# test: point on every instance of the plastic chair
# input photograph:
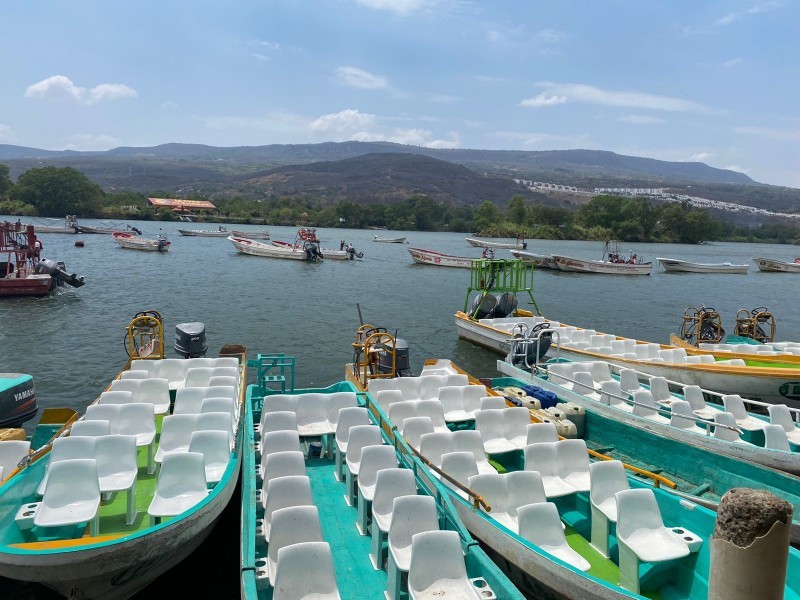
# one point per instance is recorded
(312, 415)
(279, 441)
(726, 432)
(280, 464)
(181, 485)
(154, 390)
(646, 407)
(437, 567)
(348, 417)
(607, 478)
(584, 385)
(573, 463)
(629, 379)
(490, 425)
(541, 432)
(11, 453)
(734, 404)
(117, 469)
(115, 397)
(138, 419)
(515, 426)
(433, 445)
(214, 446)
(294, 580)
(176, 433)
(104, 412)
(72, 495)
(188, 400)
(149, 365)
(220, 421)
(693, 394)
(642, 536)
(66, 448)
(775, 438)
(389, 484)
(220, 404)
(373, 460)
(361, 436)
(337, 401)
(469, 440)
(289, 490)
(135, 374)
(82, 428)
(280, 420)
(659, 388)
(385, 398)
(291, 525)
(540, 524)
(460, 466)
(612, 393)
(414, 428)
(410, 515)
(454, 404)
(682, 417)
(543, 458)
(493, 403)
(779, 414)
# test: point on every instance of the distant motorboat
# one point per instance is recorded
(673, 265)
(131, 241)
(106, 229)
(438, 259)
(519, 244)
(253, 235)
(221, 232)
(771, 265)
(399, 240)
(612, 263)
(70, 226)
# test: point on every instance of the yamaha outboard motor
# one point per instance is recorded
(402, 360)
(190, 339)
(17, 399)
(57, 271)
(482, 306)
(506, 304)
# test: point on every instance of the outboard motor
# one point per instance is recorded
(57, 271)
(483, 306)
(190, 339)
(506, 304)
(402, 360)
(17, 399)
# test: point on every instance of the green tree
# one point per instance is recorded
(486, 215)
(516, 210)
(56, 192)
(5, 181)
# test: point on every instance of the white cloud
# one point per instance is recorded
(641, 119)
(401, 7)
(549, 36)
(560, 93)
(88, 141)
(736, 168)
(359, 78)
(61, 87)
(352, 124)
(792, 135)
(700, 157)
(544, 141)
(760, 8)
(260, 57)
(7, 135)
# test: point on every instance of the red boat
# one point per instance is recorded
(22, 270)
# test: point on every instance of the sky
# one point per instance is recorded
(677, 80)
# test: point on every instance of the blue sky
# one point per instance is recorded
(715, 82)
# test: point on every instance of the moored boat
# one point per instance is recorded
(540, 261)
(107, 229)
(132, 241)
(772, 265)
(70, 226)
(394, 240)
(127, 522)
(321, 468)
(221, 232)
(253, 235)
(613, 262)
(256, 248)
(306, 239)
(518, 244)
(674, 265)
(439, 259)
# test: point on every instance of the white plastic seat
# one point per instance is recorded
(66, 448)
(600, 371)
(734, 404)
(493, 403)
(469, 440)
(312, 415)
(490, 424)
(607, 477)
(584, 384)
(414, 428)
(117, 469)
(573, 463)
(176, 433)
(214, 446)
(645, 407)
(541, 432)
(277, 403)
(138, 419)
(515, 425)
(682, 417)
(11, 453)
(135, 374)
(154, 390)
(540, 524)
(373, 459)
(348, 417)
(389, 484)
(336, 402)
(779, 414)
(188, 400)
(104, 412)
(181, 485)
(561, 373)
(115, 397)
(629, 380)
(460, 465)
(433, 445)
(543, 458)
(280, 420)
(361, 436)
(280, 464)
(611, 393)
(294, 580)
(437, 567)
(87, 428)
(226, 381)
(385, 398)
(219, 404)
(506, 496)
(289, 490)
(726, 433)
(775, 438)
(174, 371)
(220, 421)
(291, 525)
(454, 404)
(72, 495)
(659, 388)
(693, 394)
(279, 441)
(642, 536)
(410, 515)
(151, 366)
(432, 384)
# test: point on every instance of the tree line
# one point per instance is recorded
(55, 192)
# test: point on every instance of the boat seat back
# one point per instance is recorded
(360, 437)
(682, 415)
(224, 381)
(154, 390)
(390, 484)
(573, 463)
(659, 388)
(734, 404)
(63, 448)
(312, 414)
(151, 366)
(373, 459)
(400, 411)
(707, 358)
(600, 371)
(693, 360)
(279, 402)
(138, 419)
(176, 433)
(280, 464)
(410, 515)
(584, 383)
(104, 412)
(291, 525)
(492, 487)
(611, 393)
(642, 351)
(469, 440)
(410, 386)
(437, 566)
(117, 468)
(460, 465)
(281, 420)
(284, 491)
(276, 441)
(779, 414)
(294, 579)
(540, 524)
(492, 403)
(385, 398)
(646, 406)
(543, 458)
(213, 445)
(72, 495)
(515, 425)
(561, 373)
(414, 428)
(462, 398)
(336, 402)
(607, 477)
(221, 405)
(348, 418)
(775, 438)
(201, 376)
(653, 349)
(541, 433)
(81, 428)
(693, 394)
(188, 400)
(115, 397)
(215, 391)
(523, 487)
(181, 484)
(725, 433)
(135, 374)
(733, 362)
(431, 384)
(433, 445)
(629, 380)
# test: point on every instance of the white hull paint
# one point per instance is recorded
(542, 261)
(400, 240)
(776, 266)
(133, 242)
(326, 252)
(430, 257)
(255, 248)
(579, 265)
(673, 265)
(202, 233)
(489, 244)
(253, 235)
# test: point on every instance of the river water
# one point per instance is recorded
(72, 342)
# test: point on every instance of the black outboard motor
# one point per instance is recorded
(506, 304)
(483, 306)
(17, 399)
(402, 360)
(57, 271)
(190, 339)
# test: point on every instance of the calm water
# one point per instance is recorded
(72, 341)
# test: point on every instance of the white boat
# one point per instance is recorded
(104, 229)
(349, 253)
(221, 232)
(256, 248)
(132, 241)
(771, 265)
(70, 226)
(253, 235)
(612, 263)
(396, 240)
(438, 259)
(673, 265)
(540, 261)
(518, 244)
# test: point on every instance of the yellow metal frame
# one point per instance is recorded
(752, 323)
(146, 336)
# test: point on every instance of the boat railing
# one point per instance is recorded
(518, 346)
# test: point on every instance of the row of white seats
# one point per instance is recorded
(175, 370)
(11, 453)
(766, 349)
(459, 402)
(423, 387)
